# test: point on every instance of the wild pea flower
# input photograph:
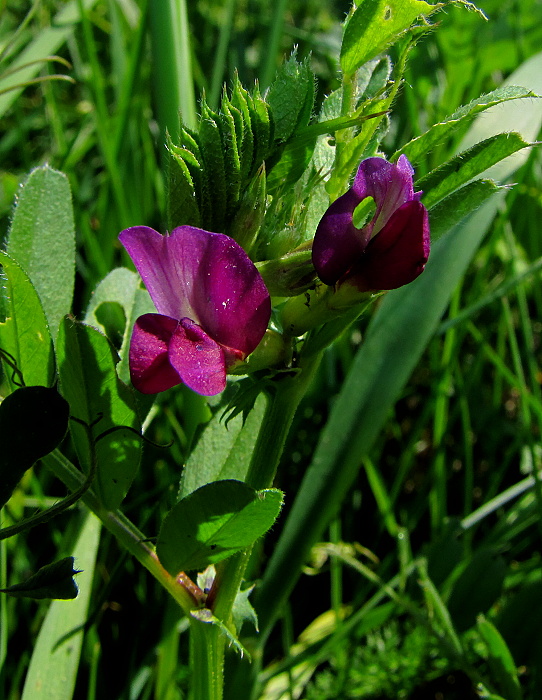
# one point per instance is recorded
(213, 308)
(392, 248)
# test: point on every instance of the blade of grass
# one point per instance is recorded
(102, 119)
(219, 65)
(49, 40)
(438, 495)
(172, 65)
(55, 661)
(272, 45)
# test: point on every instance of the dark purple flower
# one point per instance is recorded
(213, 308)
(392, 248)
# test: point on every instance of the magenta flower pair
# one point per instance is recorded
(213, 306)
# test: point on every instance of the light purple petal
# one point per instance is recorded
(337, 242)
(150, 368)
(389, 184)
(197, 358)
(151, 254)
(206, 277)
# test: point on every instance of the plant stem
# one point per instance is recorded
(265, 459)
(206, 661)
(126, 533)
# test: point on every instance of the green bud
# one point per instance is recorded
(290, 274)
(320, 305)
(272, 351)
(249, 217)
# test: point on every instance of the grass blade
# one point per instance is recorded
(53, 667)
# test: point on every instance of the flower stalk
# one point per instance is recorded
(282, 406)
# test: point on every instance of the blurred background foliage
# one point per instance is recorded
(466, 428)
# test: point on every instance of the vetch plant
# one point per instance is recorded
(310, 222)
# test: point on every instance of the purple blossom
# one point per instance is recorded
(213, 308)
(392, 248)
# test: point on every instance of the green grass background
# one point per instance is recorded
(465, 430)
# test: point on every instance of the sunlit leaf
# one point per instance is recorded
(214, 522)
(375, 25)
(224, 449)
(467, 165)
(99, 399)
(42, 240)
(421, 145)
(24, 334)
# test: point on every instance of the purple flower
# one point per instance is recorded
(213, 308)
(392, 248)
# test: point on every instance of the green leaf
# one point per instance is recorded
(250, 212)
(421, 145)
(375, 25)
(120, 286)
(456, 206)
(243, 611)
(205, 616)
(51, 581)
(214, 522)
(53, 667)
(97, 397)
(245, 147)
(291, 97)
(228, 124)
(33, 421)
(263, 128)
(183, 205)
(292, 164)
(467, 165)
(212, 151)
(224, 449)
(500, 660)
(42, 240)
(468, 597)
(25, 333)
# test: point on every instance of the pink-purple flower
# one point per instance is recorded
(213, 308)
(392, 248)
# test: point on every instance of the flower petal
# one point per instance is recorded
(197, 358)
(203, 276)
(150, 369)
(229, 297)
(337, 242)
(397, 255)
(150, 253)
(389, 184)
